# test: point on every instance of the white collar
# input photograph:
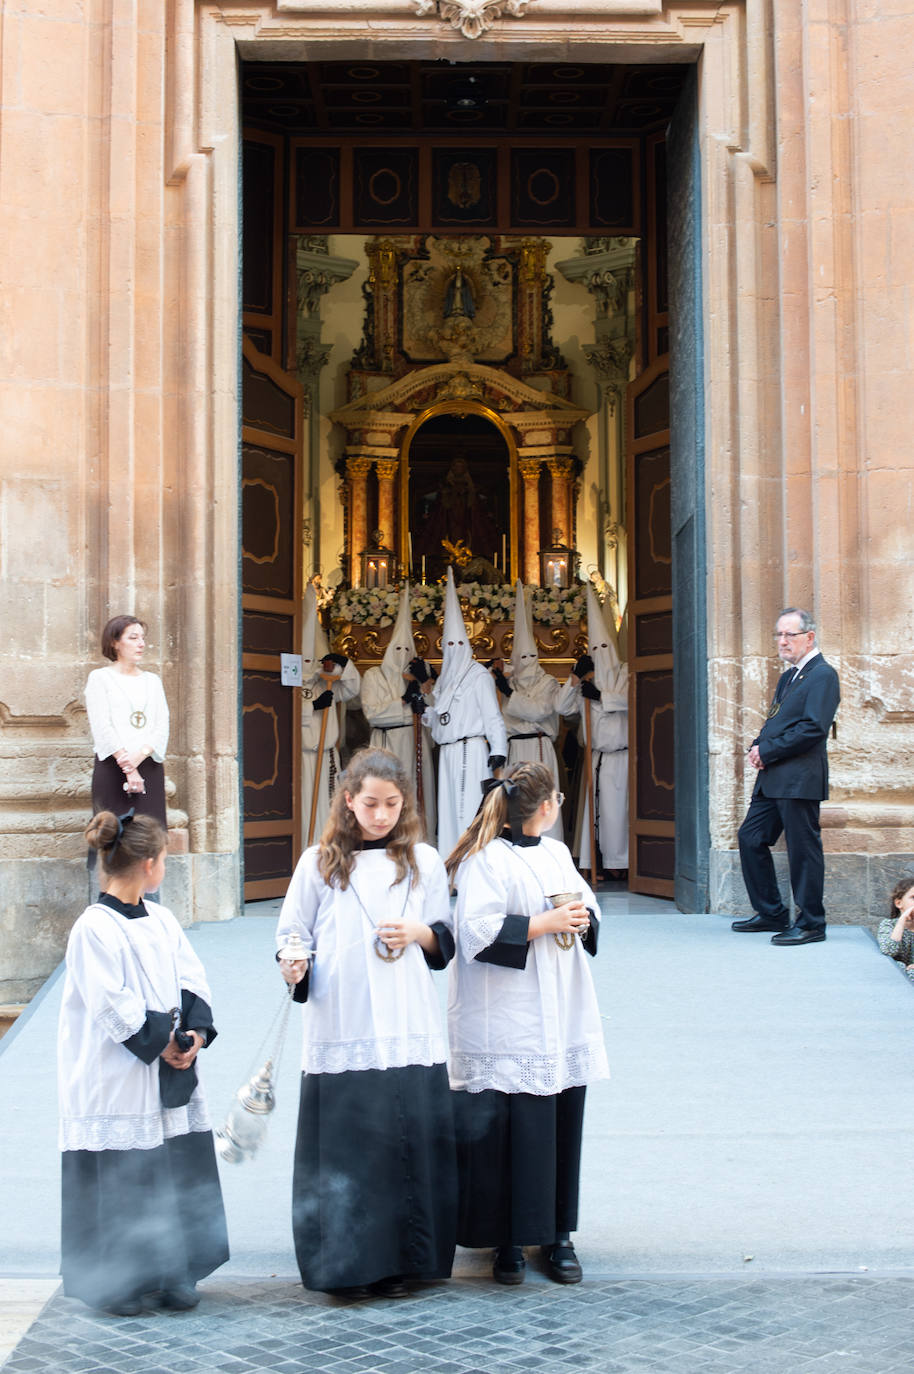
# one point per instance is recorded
(803, 661)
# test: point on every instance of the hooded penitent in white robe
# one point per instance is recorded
(609, 735)
(531, 720)
(391, 719)
(344, 688)
(466, 723)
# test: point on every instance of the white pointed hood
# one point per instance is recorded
(601, 644)
(456, 653)
(402, 649)
(525, 663)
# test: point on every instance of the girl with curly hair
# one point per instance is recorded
(374, 1185)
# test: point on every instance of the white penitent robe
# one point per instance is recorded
(532, 725)
(364, 1011)
(468, 727)
(392, 728)
(609, 770)
(524, 1020)
(344, 689)
(117, 971)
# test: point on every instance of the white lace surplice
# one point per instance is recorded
(362, 1011)
(532, 1030)
(117, 970)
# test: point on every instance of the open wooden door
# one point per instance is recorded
(271, 603)
(650, 635)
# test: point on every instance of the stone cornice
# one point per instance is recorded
(649, 24)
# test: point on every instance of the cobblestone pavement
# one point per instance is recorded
(820, 1323)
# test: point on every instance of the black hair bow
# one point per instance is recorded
(121, 822)
(515, 819)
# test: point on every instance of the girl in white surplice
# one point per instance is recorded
(374, 1188)
(141, 1203)
(525, 1032)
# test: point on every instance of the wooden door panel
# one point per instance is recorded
(271, 622)
(651, 776)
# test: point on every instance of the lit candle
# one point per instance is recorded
(423, 570)
(409, 538)
(504, 547)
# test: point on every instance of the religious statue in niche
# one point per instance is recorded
(453, 512)
(458, 302)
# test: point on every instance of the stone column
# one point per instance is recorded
(387, 469)
(606, 268)
(562, 505)
(357, 470)
(529, 469)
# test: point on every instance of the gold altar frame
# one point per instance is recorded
(461, 408)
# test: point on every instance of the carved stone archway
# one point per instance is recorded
(536, 424)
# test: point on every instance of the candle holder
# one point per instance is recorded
(556, 564)
(379, 564)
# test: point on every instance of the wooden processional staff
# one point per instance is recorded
(593, 815)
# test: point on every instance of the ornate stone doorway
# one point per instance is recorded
(367, 468)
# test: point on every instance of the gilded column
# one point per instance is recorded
(529, 469)
(387, 469)
(357, 470)
(562, 472)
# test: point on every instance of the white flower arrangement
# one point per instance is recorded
(370, 606)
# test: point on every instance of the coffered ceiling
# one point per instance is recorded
(446, 99)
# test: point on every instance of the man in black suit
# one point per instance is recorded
(790, 756)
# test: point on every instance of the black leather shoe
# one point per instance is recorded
(509, 1265)
(758, 924)
(394, 1287)
(182, 1297)
(798, 935)
(562, 1264)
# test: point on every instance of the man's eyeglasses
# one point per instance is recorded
(789, 634)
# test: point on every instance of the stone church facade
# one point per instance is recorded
(792, 397)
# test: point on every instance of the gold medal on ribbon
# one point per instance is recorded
(384, 952)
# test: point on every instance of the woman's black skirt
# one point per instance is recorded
(140, 1221)
(374, 1193)
(519, 1164)
(108, 790)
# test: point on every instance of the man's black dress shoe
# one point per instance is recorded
(759, 923)
(798, 935)
(509, 1265)
(562, 1264)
